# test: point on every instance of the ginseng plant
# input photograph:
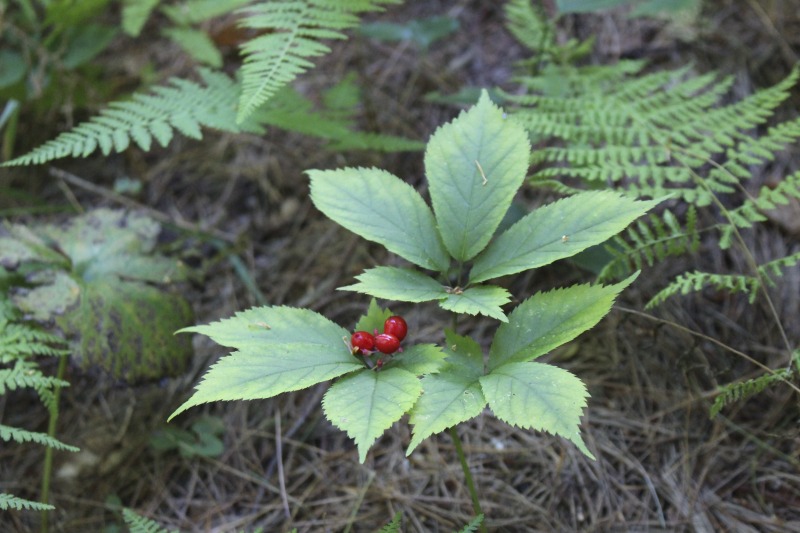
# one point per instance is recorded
(474, 166)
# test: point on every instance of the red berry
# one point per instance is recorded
(395, 325)
(387, 343)
(362, 342)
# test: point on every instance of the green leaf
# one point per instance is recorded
(374, 318)
(9, 501)
(419, 359)
(453, 395)
(90, 40)
(464, 355)
(203, 440)
(400, 284)
(12, 68)
(549, 319)
(381, 208)
(483, 299)
(281, 349)
(538, 396)
(556, 231)
(273, 369)
(8, 433)
(135, 14)
(474, 165)
(261, 328)
(196, 11)
(197, 44)
(367, 403)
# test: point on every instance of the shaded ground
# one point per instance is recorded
(662, 464)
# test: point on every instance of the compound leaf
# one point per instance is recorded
(367, 403)
(475, 164)
(538, 396)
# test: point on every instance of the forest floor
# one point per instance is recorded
(662, 464)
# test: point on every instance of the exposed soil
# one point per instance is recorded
(662, 464)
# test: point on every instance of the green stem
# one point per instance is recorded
(48, 452)
(476, 504)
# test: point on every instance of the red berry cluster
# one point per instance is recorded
(388, 342)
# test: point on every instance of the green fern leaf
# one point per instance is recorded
(181, 105)
(774, 269)
(473, 525)
(8, 433)
(291, 35)
(140, 524)
(697, 281)
(9, 501)
(394, 525)
(751, 211)
(649, 241)
(741, 391)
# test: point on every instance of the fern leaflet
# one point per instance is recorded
(751, 210)
(9, 501)
(394, 525)
(8, 433)
(696, 281)
(741, 391)
(773, 269)
(140, 524)
(649, 240)
(473, 524)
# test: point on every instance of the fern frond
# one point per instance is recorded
(741, 391)
(529, 26)
(473, 525)
(394, 525)
(21, 340)
(291, 35)
(180, 105)
(26, 374)
(650, 240)
(9, 501)
(654, 134)
(751, 210)
(696, 281)
(774, 269)
(8, 433)
(140, 524)
(718, 128)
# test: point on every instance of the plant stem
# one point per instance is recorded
(48, 452)
(476, 504)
